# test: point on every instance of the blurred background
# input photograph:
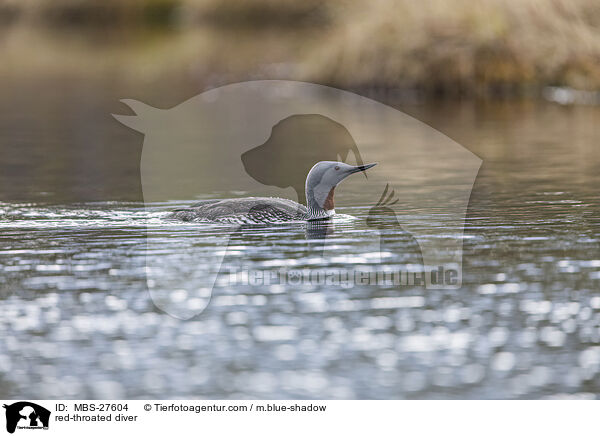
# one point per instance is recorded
(66, 63)
(489, 48)
(516, 82)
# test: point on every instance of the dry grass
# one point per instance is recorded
(464, 44)
(460, 46)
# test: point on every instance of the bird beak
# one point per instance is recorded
(363, 168)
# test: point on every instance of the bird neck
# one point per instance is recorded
(319, 202)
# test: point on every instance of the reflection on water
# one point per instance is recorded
(77, 320)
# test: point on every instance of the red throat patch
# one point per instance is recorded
(328, 205)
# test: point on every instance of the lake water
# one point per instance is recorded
(77, 319)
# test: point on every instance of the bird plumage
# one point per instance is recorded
(320, 184)
(250, 210)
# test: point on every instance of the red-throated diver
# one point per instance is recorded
(320, 184)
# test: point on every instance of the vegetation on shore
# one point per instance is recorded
(486, 47)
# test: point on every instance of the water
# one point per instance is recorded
(78, 321)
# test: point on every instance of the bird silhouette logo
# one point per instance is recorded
(384, 219)
(383, 205)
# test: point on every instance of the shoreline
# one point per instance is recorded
(493, 50)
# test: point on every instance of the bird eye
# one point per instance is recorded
(337, 168)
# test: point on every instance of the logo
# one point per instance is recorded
(26, 415)
(260, 139)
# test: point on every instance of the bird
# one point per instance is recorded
(320, 185)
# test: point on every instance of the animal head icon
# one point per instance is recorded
(293, 147)
(26, 414)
